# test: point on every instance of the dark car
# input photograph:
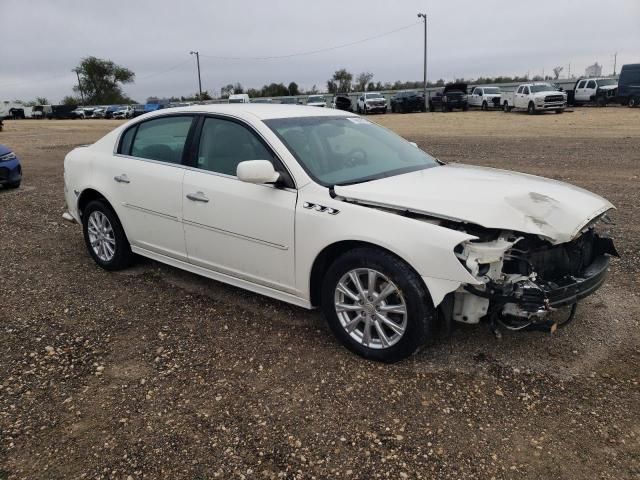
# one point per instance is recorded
(108, 113)
(453, 96)
(342, 102)
(629, 85)
(63, 112)
(10, 168)
(405, 102)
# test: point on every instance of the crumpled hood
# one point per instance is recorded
(608, 87)
(488, 197)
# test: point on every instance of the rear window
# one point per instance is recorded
(161, 139)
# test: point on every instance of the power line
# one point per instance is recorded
(165, 71)
(320, 50)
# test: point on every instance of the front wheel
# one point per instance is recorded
(104, 236)
(560, 110)
(531, 108)
(377, 305)
(485, 106)
(633, 102)
(506, 108)
(13, 184)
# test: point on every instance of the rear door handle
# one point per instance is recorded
(197, 197)
(122, 178)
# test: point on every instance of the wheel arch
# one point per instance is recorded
(330, 253)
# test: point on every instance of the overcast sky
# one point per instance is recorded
(43, 40)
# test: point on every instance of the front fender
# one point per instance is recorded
(427, 247)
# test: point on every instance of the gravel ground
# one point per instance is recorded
(156, 373)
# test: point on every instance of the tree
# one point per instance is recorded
(293, 89)
(42, 101)
(226, 91)
(237, 88)
(101, 80)
(332, 87)
(71, 100)
(363, 79)
(342, 80)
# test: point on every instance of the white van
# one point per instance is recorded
(239, 98)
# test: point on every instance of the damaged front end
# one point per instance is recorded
(525, 278)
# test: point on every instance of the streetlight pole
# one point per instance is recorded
(424, 81)
(197, 54)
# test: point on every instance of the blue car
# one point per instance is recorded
(10, 168)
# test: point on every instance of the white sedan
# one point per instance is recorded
(322, 208)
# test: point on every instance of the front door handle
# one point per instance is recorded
(122, 178)
(197, 197)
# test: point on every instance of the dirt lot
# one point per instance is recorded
(157, 373)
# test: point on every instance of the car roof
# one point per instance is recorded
(263, 111)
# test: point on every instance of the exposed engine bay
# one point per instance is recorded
(524, 278)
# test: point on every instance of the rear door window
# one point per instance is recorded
(581, 84)
(591, 84)
(161, 139)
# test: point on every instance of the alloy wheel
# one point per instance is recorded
(370, 308)
(101, 236)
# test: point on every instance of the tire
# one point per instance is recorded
(385, 110)
(506, 108)
(393, 108)
(416, 323)
(531, 108)
(358, 110)
(432, 108)
(122, 256)
(485, 106)
(364, 110)
(443, 108)
(560, 110)
(13, 184)
(601, 101)
(465, 108)
(633, 102)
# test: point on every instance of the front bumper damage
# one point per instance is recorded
(524, 280)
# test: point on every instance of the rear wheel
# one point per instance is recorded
(633, 102)
(377, 305)
(531, 108)
(105, 237)
(485, 106)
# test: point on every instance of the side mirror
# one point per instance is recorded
(257, 171)
(414, 144)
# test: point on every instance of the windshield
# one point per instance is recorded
(491, 90)
(542, 87)
(373, 95)
(317, 98)
(346, 150)
(607, 81)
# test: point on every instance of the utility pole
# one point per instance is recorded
(424, 81)
(197, 54)
(79, 85)
(615, 60)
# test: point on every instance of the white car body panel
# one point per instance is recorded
(266, 239)
(488, 197)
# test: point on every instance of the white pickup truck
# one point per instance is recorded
(484, 97)
(535, 97)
